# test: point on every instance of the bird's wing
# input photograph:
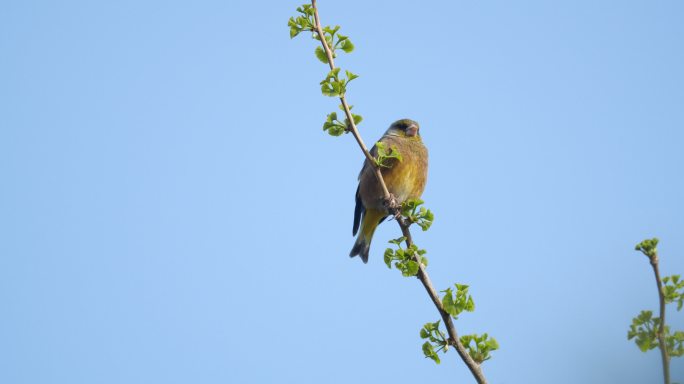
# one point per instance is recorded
(359, 210)
(366, 163)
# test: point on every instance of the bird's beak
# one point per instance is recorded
(412, 130)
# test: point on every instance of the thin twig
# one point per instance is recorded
(661, 328)
(454, 341)
(422, 275)
(352, 126)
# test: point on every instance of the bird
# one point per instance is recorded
(405, 179)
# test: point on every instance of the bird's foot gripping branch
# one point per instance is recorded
(383, 179)
(393, 207)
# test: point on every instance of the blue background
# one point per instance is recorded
(171, 211)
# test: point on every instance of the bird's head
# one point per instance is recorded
(404, 128)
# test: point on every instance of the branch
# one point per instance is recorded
(454, 341)
(661, 328)
(641, 325)
(389, 200)
(393, 207)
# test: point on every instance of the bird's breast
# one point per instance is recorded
(405, 179)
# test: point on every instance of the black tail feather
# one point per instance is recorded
(360, 248)
(359, 210)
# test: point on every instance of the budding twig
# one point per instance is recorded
(347, 111)
(661, 328)
(453, 340)
(649, 248)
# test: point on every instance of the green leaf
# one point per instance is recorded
(398, 241)
(389, 253)
(411, 268)
(321, 55)
(395, 153)
(462, 287)
(470, 304)
(334, 73)
(327, 90)
(644, 344)
(337, 88)
(332, 89)
(385, 156)
(492, 344)
(347, 46)
(332, 31)
(448, 303)
(336, 130)
(350, 76)
(333, 126)
(433, 326)
(306, 9)
(429, 352)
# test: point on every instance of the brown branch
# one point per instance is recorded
(352, 126)
(453, 340)
(661, 329)
(394, 209)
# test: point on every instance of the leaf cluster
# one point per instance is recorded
(479, 347)
(335, 41)
(673, 290)
(385, 155)
(334, 85)
(336, 127)
(675, 344)
(405, 259)
(414, 213)
(644, 331)
(456, 302)
(648, 247)
(304, 22)
(436, 341)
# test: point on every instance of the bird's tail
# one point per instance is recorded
(371, 219)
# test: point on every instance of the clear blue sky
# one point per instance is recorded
(171, 211)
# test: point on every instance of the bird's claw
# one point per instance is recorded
(393, 207)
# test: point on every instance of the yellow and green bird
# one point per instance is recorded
(405, 179)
